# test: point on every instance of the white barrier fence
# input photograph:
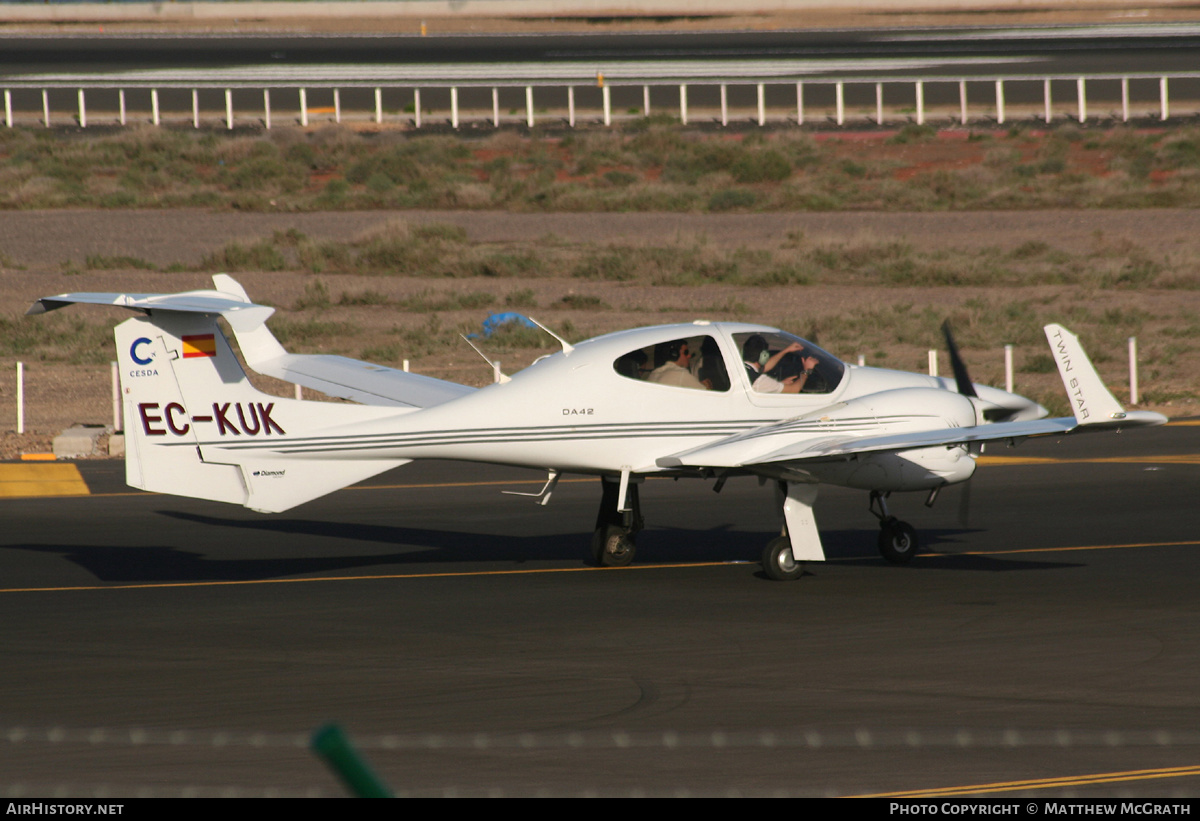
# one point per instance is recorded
(909, 98)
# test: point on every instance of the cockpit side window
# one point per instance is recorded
(690, 362)
(777, 362)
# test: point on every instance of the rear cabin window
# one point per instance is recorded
(690, 362)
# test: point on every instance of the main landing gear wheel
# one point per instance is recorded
(612, 546)
(778, 562)
(898, 541)
(612, 540)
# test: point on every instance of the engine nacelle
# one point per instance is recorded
(903, 411)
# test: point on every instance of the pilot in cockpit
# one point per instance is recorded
(760, 362)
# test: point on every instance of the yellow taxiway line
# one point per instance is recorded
(1040, 783)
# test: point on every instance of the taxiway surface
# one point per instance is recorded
(167, 646)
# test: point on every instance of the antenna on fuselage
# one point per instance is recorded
(495, 366)
(566, 346)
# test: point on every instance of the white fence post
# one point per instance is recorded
(228, 109)
(8, 108)
(1000, 102)
(841, 103)
(571, 106)
(1046, 98)
(378, 106)
(1124, 99)
(417, 106)
(337, 106)
(724, 105)
(304, 107)
(116, 396)
(1133, 371)
(762, 104)
(645, 101)
(454, 107)
(121, 102)
(604, 92)
(962, 101)
(920, 103)
(196, 108)
(45, 108)
(267, 108)
(1162, 97)
(1008, 368)
(20, 397)
(1080, 84)
(82, 110)
(154, 106)
(879, 104)
(683, 104)
(933, 363)
(495, 107)
(529, 106)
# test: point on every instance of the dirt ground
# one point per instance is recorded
(36, 246)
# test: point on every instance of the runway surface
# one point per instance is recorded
(164, 646)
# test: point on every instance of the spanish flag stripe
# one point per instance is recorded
(199, 345)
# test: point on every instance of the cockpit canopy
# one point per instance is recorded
(706, 361)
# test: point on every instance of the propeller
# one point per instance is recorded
(962, 381)
(961, 378)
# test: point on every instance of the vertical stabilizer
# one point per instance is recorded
(195, 425)
(1091, 401)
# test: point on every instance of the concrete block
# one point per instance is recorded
(77, 441)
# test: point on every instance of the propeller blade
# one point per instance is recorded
(961, 378)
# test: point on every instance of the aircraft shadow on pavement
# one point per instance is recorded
(164, 564)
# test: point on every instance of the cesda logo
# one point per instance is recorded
(133, 351)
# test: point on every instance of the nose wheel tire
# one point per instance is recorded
(778, 562)
(612, 547)
(898, 542)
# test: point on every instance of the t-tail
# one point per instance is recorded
(196, 426)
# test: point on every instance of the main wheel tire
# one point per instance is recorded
(898, 542)
(779, 563)
(612, 547)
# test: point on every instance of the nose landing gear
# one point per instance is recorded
(898, 541)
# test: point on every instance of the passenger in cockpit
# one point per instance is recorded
(672, 359)
(759, 361)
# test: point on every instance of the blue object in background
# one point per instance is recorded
(495, 321)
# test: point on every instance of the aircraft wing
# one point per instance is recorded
(747, 449)
(334, 375)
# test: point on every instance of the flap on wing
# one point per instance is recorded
(727, 453)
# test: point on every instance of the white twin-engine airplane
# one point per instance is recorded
(709, 400)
